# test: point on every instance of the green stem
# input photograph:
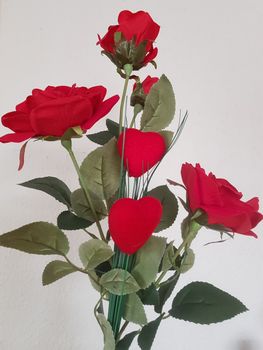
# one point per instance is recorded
(124, 326)
(137, 109)
(128, 70)
(90, 234)
(80, 269)
(67, 144)
(193, 228)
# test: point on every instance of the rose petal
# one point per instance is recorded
(56, 116)
(151, 56)
(17, 121)
(103, 109)
(17, 137)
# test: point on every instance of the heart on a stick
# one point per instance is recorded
(142, 150)
(132, 222)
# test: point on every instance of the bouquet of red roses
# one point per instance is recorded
(131, 264)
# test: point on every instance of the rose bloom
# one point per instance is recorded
(141, 90)
(147, 84)
(51, 112)
(131, 41)
(220, 201)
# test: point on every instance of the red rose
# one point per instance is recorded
(141, 90)
(51, 112)
(147, 84)
(220, 201)
(131, 41)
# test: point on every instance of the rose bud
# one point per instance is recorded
(51, 112)
(141, 90)
(131, 40)
(219, 201)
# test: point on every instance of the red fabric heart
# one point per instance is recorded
(132, 222)
(142, 150)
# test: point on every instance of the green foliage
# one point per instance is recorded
(147, 261)
(134, 310)
(56, 270)
(169, 205)
(52, 186)
(101, 170)
(168, 137)
(149, 296)
(168, 257)
(69, 221)
(82, 208)
(187, 261)
(147, 334)
(165, 291)
(95, 281)
(119, 282)
(159, 108)
(37, 238)
(100, 138)
(109, 341)
(113, 127)
(125, 342)
(94, 252)
(201, 302)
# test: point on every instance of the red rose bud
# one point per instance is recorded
(220, 201)
(131, 41)
(132, 222)
(51, 112)
(142, 150)
(141, 90)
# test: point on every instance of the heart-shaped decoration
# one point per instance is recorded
(142, 150)
(132, 222)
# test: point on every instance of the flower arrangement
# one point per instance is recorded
(131, 264)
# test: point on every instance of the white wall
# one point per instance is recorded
(212, 52)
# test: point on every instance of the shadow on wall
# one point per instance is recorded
(248, 345)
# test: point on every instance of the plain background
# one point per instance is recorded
(212, 52)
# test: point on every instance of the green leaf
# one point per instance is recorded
(159, 108)
(101, 137)
(52, 186)
(95, 281)
(119, 282)
(149, 296)
(187, 261)
(125, 342)
(134, 310)
(168, 137)
(147, 261)
(165, 291)
(82, 208)
(169, 205)
(167, 260)
(56, 270)
(109, 341)
(69, 221)
(113, 127)
(101, 170)
(94, 252)
(37, 238)
(147, 334)
(203, 303)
